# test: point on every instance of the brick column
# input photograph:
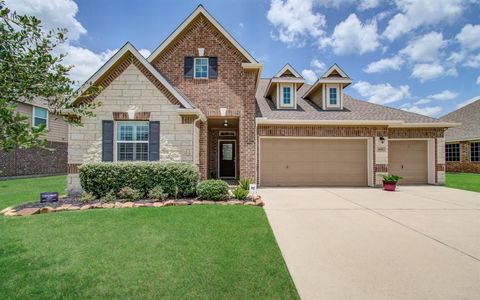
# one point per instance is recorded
(203, 151)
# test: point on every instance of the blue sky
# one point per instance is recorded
(418, 55)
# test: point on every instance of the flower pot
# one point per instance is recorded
(389, 186)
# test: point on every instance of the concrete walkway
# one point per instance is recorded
(360, 243)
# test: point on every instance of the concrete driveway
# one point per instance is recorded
(420, 242)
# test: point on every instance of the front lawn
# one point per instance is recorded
(464, 181)
(17, 191)
(195, 252)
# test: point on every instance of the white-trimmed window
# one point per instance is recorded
(287, 95)
(132, 140)
(40, 116)
(452, 152)
(475, 151)
(333, 96)
(201, 67)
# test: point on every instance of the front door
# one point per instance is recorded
(226, 158)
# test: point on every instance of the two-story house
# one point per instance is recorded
(36, 161)
(199, 98)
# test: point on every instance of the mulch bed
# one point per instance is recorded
(73, 203)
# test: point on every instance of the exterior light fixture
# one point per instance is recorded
(382, 139)
(225, 123)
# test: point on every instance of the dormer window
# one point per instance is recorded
(201, 67)
(287, 95)
(333, 96)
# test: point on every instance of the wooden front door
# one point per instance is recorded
(226, 157)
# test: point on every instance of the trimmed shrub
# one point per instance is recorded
(157, 193)
(213, 189)
(86, 197)
(110, 196)
(240, 193)
(101, 178)
(129, 193)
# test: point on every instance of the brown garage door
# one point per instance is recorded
(313, 162)
(409, 159)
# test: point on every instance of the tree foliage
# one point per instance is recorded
(31, 70)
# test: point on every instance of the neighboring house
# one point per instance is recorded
(463, 142)
(199, 98)
(36, 161)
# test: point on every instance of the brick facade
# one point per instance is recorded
(234, 88)
(34, 161)
(464, 165)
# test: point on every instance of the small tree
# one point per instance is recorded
(30, 70)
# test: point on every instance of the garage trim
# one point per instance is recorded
(369, 152)
(430, 156)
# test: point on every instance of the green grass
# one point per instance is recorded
(17, 191)
(463, 181)
(192, 252)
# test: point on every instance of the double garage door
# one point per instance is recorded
(335, 162)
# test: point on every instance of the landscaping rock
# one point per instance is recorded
(197, 202)
(108, 205)
(221, 203)
(6, 209)
(47, 209)
(139, 204)
(127, 204)
(158, 204)
(86, 206)
(148, 204)
(10, 213)
(259, 202)
(28, 211)
(208, 202)
(181, 203)
(249, 203)
(73, 207)
(96, 205)
(235, 202)
(118, 205)
(169, 203)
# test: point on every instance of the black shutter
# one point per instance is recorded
(154, 141)
(212, 67)
(107, 140)
(188, 67)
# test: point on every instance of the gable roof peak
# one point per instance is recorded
(335, 69)
(289, 68)
(201, 10)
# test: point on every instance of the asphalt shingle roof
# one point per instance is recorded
(353, 109)
(469, 116)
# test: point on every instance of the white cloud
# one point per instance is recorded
(442, 96)
(471, 100)
(334, 3)
(295, 21)
(473, 61)
(425, 48)
(425, 72)
(478, 80)
(469, 37)
(456, 57)
(393, 63)
(422, 101)
(352, 36)
(417, 13)
(309, 75)
(53, 14)
(62, 14)
(381, 93)
(368, 4)
(145, 52)
(431, 111)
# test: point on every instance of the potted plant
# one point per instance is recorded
(390, 182)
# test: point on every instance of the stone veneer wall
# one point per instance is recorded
(34, 161)
(464, 165)
(234, 88)
(380, 150)
(130, 88)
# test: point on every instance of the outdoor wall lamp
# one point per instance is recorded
(382, 139)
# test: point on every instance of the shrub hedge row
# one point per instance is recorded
(176, 179)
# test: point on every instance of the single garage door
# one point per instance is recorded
(313, 162)
(409, 159)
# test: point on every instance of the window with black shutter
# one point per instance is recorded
(188, 67)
